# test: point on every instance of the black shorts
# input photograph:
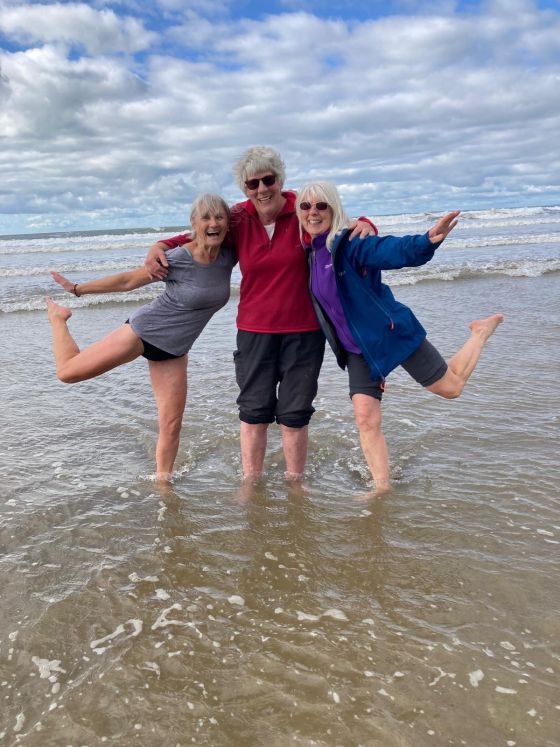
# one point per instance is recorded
(277, 376)
(425, 365)
(359, 377)
(152, 353)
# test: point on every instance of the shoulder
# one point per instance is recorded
(240, 209)
(341, 238)
(228, 256)
(291, 197)
(179, 256)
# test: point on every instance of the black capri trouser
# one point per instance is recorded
(277, 375)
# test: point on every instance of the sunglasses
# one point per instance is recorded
(267, 180)
(319, 205)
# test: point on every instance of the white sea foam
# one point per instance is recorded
(476, 677)
(119, 630)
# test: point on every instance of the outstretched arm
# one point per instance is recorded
(121, 282)
(392, 252)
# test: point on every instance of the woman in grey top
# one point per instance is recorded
(163, 331)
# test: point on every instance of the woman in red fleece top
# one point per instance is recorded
(280, 346)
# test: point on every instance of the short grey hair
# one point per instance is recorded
(257, 159)
(324, 192)
(209, 203)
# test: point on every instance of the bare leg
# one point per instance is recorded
(120, 346)
(253, 439)
(169, 383)
(367, 411)
(294, 443)
(464, 361)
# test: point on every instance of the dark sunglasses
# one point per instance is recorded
(319, 205)
(267, 180)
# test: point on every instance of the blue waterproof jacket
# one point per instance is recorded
(386, 331)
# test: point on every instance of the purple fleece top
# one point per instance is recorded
(323, 287)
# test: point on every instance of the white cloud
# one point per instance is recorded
(403, 112)
(97, 31)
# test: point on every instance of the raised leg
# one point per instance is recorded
(463, 363)
(169, 383)
(73, 365)
(294, 444)
(367, 411)
(253, 438)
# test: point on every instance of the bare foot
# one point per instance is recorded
(56, 312)
(64, 282)
(163, 478)
(248, 488)
(487, 326)
(380, 488)
(293, 476)
(164, 488)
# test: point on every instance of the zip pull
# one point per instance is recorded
(392, 325)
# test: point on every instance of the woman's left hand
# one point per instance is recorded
(443, 227)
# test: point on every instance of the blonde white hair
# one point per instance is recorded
(324, 192)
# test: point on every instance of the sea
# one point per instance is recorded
(289, 614)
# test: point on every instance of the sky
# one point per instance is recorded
(117, 114)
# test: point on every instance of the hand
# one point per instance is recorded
(64, 282)
(443, 227)
(156, 262)
(362, 229)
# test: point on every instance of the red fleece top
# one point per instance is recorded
(274, 293)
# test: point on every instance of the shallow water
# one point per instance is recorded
(289, 616)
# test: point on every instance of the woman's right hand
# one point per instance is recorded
(64, 282)
(156, 262)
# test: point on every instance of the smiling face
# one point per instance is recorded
(267, 198)
(210, 228)
(316, 215)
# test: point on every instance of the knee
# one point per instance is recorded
(65, 375)
(451, 390)
(454, 393)
(450, 386)
(369, 421)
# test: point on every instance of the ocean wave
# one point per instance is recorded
(527, 268)
(8, 248)
(104, 268)
(491, 218)
(36, 302)
(502, 240)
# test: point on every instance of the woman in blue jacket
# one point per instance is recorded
(370, 332)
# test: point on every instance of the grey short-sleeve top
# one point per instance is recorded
(193, 293)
